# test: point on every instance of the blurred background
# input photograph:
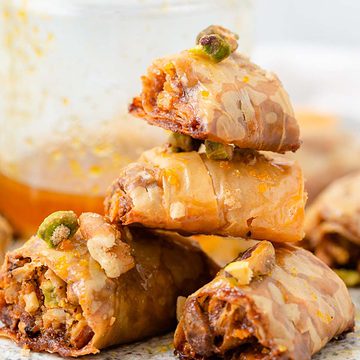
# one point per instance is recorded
(320, 22)
(68, 69)
(314, 46)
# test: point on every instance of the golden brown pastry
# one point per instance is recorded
(90, 292)
(273, 302)
(254, 195)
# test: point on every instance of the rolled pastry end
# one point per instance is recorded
(161, 96)
(41, 285)
(130, 198)
(229, 320)
(40, 311)
(226, 322)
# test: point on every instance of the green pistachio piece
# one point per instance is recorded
(350, 277)
(215, 47)
(58, 226)
(216, 43)
(183, 143)
(224, 33)
(50, 298)
(218, 151)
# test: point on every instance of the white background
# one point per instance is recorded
(314, 46)
(325, 22)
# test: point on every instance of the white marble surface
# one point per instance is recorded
(161, 348)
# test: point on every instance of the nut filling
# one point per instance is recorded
(168, 101)
(216, 327)
(41, 310)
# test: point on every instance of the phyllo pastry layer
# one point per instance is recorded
(253, 195)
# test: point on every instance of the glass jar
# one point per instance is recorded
(68, 71)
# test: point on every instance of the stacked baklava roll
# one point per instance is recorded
(275, 301)
(86, 283)
(211, 177)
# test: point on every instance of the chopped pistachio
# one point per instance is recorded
(350, 277)
(218, 151)
(215, 42)
(261, 258)
(258, 260)
(215, 46)
(241, 271)
(182, 143)
(48, 290)
(224, 33)
(58, 226)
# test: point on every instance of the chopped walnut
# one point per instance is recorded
(177, 210)
(54, 318)
(31, 302)
(105, 245)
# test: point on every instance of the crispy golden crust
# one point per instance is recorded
(291, 313)
(233, 101)
(251, 196)
(99, 310)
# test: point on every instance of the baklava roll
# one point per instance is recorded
(333, 227)
(102, 287)
(253, 195)
(232, 102)
(274, 302)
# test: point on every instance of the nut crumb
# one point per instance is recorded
(177, 210)
(241, 271)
